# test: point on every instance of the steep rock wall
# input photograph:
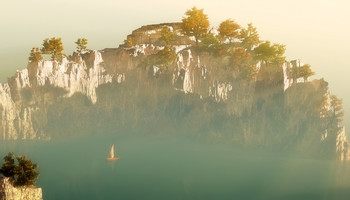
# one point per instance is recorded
(82, 74)
(9, 192)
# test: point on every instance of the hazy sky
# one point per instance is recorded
(316, 31)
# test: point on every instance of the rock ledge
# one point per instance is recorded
(9, 192)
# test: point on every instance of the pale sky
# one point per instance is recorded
(315, 31)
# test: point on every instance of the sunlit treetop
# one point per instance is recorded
(195, 23)
(229, 29)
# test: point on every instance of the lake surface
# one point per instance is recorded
(169, 168)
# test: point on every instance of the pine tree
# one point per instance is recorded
(270, 53)
(249, 37)
(54, 47)
(167, 36)
(305, 71)
(35, 55)
(210, 42)
(165, 57)
(24, 173)
(195, 23)
(8, 168)
(229, 29)
(81, 44)
(279, 50)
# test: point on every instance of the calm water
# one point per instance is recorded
(163, 168)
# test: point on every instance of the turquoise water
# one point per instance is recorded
(169, 168)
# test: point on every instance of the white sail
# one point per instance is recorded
(111, 152)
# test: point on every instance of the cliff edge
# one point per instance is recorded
(9, 192)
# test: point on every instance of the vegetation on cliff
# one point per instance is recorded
(54, 47)
(24, 173)
(224, 85)
(81, 44)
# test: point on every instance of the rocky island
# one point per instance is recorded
(220, 84)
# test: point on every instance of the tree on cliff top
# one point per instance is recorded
(35, 55)
(81, 44)
(270, 53)
(228, 29)
(249, 37)
(8, 168)
(195, 23)
(305, 71)
(54, 47)
(167, 36)
(24, 173)
(210, 43)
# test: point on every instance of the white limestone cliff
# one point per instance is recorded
(184, 63)
(220, 91)
(342, 145)
(72, 76)
(85, 72)
(9, 192)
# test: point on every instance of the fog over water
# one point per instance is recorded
(177, 168)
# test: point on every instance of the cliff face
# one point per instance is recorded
(342, 145)
(127, 87)
(75, 76)
(9, 192)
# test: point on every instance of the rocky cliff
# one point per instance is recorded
(74, 76)
(130, 87)
(9, 192)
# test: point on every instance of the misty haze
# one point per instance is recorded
(177, 110)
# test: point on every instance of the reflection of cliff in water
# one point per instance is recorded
(340, 176)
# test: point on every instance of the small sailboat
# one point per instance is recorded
(111, 155)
